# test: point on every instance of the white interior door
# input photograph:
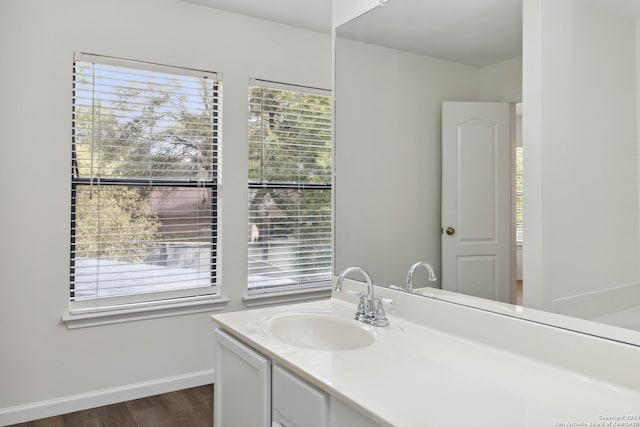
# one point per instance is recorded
(476, 199)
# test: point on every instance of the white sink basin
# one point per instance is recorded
(320, 331)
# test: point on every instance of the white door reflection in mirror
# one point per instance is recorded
(476, 200)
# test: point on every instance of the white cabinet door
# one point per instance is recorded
(242, 386)
(342, 415)
(297, 403)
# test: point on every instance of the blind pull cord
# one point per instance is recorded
(93, 126)
(204, 191)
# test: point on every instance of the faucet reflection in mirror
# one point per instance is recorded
(412, 270)
(370, 309)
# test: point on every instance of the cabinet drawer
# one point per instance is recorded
(296, 403)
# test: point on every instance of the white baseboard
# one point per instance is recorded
(82, 401)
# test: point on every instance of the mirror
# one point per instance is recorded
(395, 66)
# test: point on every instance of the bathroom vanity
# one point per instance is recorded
(283, 364)
(255, 390)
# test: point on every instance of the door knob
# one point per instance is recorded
(451, 231)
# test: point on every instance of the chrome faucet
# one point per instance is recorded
(432, 274)
(370, 308)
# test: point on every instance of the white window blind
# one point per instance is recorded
(519, 196)
(144, 183)
(290, 161)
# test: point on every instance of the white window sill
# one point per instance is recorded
(131, 314)
(258, 299)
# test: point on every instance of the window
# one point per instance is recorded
(519, 211)
(290, 163)
(143, 184)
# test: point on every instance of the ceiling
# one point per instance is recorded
(473, 32)
(476, 32)
(312, 15)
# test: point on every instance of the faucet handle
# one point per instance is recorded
(362, 306)
(389, 301)
(362, 303)
(380, 318)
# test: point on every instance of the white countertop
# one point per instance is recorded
(414, 375)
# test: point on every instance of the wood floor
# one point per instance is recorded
(519, 293)
(185, 408)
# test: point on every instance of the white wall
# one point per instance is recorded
(501, 82)
(638, 108)
(39, 358)
(581, 151)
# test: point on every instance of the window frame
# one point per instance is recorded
(298, 291)
(106, 310)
